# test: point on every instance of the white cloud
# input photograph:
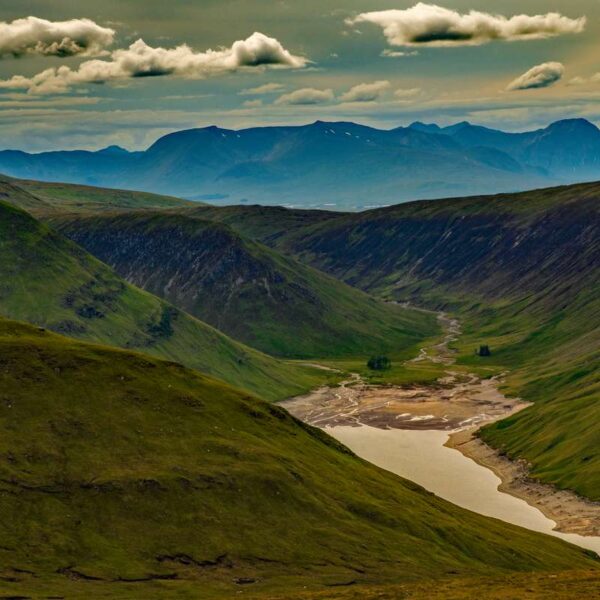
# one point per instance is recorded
(33, 36)
(306, 96)
(142, 60)
(404, 93)
(366, 92)
(267, 88)
(388, 53)
(540, 76)
(253, 103)
(585, 80)
(432, 25)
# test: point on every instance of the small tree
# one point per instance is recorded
(379, 363)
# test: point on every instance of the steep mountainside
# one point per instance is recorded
(341, 164)
(137, 478)
(246, 290)
(49, 281)
(523, 270)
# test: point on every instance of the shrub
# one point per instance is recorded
(379, 363)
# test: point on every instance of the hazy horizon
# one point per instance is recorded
(91, 76)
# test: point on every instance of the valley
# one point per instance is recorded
(414, 430)
(243, 288)
(218, 313)
(521, 271)
(299, 300)
(133, 440)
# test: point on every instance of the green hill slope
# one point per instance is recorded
(47, 280)
(522, 270)
(246, 290)
(44, 198)
(123, 476)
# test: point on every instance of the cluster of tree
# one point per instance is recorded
(484, 350)
(379, 363)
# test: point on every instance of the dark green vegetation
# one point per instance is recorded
(49, 281)
(379, 363)
(523, 271)
(123, 476)
(244, 289)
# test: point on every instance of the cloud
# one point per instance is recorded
(387, 53)
(141, 60)
(267, 88)
(585, 80)
(366, 92)
(33, 36)
(407, 93)
(306, 96)
(540, 76)
(253, 103)
(432, 25)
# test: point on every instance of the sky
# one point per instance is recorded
(87, 74)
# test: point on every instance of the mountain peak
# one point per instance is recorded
(426, 127)
(577, 124)
(114, 149)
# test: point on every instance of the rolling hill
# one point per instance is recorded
(49, 281)
(244, 289)
(47, 198)
(523, 273)
(124, 476)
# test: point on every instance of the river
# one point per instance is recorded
(422, 457)
(405, 429)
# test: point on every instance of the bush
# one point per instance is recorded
(379, 363)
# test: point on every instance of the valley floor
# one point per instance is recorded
(459, 403)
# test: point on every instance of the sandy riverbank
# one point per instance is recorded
(570, 512)
(456, 407)
(458, 404)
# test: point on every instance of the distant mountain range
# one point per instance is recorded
(331, 165)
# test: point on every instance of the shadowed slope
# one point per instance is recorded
(253, 294)
(47, 280)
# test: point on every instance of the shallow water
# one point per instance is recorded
(422, 457)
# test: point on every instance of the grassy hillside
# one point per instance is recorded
(48, 198)
(565, 585)
(246, 290)
(47, 280)
(262, 223)
(123, 476)
(523, 271)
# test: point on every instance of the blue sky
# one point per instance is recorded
(316, 59)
